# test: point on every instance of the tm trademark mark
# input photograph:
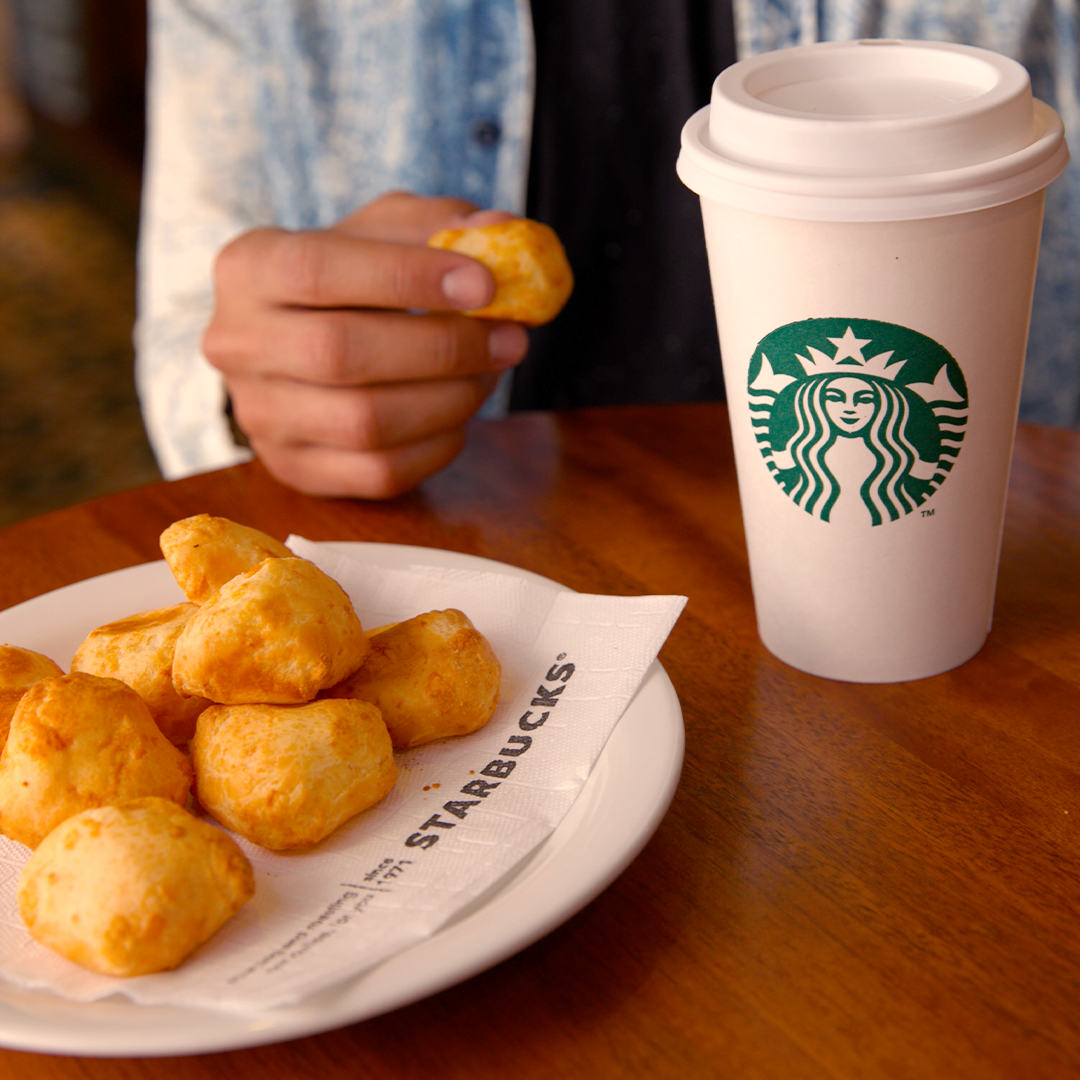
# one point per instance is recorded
(927, 513)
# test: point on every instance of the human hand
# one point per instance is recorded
(347, 361)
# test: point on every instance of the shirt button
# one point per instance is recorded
(487, 132)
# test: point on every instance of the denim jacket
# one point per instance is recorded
(296, 113)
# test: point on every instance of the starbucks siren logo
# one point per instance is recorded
(856, 419)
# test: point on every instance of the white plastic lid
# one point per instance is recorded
(872, 131)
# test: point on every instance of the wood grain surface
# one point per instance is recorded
(853, 881)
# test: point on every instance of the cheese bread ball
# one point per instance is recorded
(19, 670)
(80, 741)
(132, 888)
(279, 633)
(286, 776)
(431, 676)
(533, 279)
(204, 552)
(139, 651)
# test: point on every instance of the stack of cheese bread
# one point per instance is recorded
(260, 696)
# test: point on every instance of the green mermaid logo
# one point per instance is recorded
(857, 420)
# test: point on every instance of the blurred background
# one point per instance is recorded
(71, 138)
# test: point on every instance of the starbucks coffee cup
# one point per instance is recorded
(872, 213)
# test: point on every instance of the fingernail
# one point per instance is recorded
(479, 218)
(508, 343)
(467, 287)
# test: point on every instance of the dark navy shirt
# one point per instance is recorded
(615, 82)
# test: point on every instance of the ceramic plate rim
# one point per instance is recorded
(636, 775)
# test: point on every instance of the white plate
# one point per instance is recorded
(619, 808)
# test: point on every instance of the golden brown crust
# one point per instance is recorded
(431, 676)
(533, 279)
(286, 776)
(132, 888)
(279, 633)
(204, 552)
(139, 651)
(19, 669)
(79, 741)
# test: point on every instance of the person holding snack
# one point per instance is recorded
(300, 160)
(276, 134)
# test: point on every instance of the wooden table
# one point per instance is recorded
(853, 881)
